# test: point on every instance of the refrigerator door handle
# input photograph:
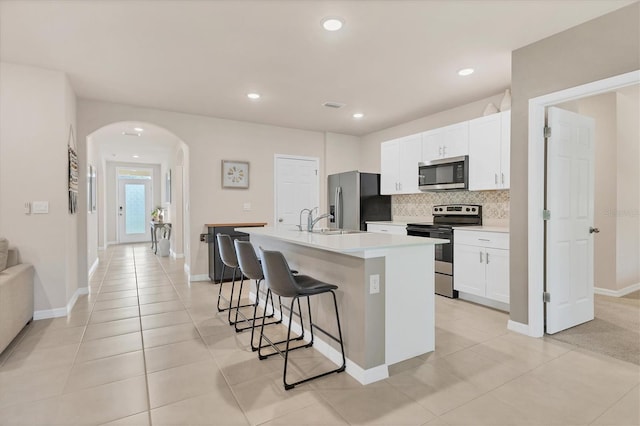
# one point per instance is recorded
(338, 217)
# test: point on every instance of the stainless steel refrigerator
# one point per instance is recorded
(354, 199)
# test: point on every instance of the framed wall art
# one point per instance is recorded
(235, 174)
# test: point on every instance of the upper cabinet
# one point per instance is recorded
(486, 140)
(444, 142)
(399, 165)
(489, 147)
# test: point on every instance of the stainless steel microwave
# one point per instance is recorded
(444, 174)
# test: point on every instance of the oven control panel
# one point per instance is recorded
(457, 209)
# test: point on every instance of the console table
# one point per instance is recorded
(164, 228)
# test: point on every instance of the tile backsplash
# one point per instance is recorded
(495, 204)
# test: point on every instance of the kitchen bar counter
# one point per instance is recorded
(385, 296)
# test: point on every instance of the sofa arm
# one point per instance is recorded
(16, 301)
(12, 259)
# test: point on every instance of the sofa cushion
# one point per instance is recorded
(4, 253)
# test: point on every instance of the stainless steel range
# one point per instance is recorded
(445, 218)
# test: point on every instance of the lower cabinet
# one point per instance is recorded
(481, 264)
(388, 228)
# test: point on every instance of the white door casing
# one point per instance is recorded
(570, 200)
(141, 232)
(296, 188)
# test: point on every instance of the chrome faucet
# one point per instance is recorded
(300, 218)
(311, 222)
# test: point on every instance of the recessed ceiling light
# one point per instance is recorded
(253, 96)
(465, 71)
(135, 156)
(138, 129)
(358, 115)
(332, 24)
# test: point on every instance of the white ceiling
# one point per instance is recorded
(154, 145)
(394, 60)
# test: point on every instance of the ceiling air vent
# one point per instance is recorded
(335, 105)
(130, 134)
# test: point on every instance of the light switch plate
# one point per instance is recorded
(246, 207)
(40, 207)
(374, 284)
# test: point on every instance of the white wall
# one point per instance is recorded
(628, 177)
(209, 141)
(37, 107)
(342, 153)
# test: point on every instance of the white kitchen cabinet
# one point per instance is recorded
(444, 142)
(481, 264)
(388, 228)
(399, 165)
(489, 147)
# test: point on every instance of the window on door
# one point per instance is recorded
(134, 204)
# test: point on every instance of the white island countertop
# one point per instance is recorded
(343, 243)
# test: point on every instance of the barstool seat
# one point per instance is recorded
(282, 282)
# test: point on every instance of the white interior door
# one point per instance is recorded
(297, 188)
(134, 208)
(569, 237)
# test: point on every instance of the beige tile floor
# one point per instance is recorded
(147, 347)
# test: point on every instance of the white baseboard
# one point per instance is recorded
(518, 327)
(50, 313)
(617, 293)
(94, 267)
(175, 255)
(61, 312)
(200, 277)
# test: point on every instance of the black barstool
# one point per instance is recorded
(229, 259)
(251, 268)
(282, 282)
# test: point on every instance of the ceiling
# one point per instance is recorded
(394, 61)
(154, 145)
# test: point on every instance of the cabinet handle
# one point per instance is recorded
(400, 186)
(440, 151)
(487, 258)
(480, 257)
(444, 150)
(496, 177)
(502, 178)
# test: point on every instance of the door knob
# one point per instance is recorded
(593, 230)
(280, 220)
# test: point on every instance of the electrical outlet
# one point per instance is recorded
(374, 284)
(246, 207)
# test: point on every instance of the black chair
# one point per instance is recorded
(283, 283)
(229, 260)
(251, 268)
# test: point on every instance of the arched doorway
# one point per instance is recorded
(140, 155)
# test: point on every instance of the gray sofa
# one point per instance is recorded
(16, 297)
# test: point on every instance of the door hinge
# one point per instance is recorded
(547, 131)
(546, 297)
(546, 214)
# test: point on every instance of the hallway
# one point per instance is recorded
(147, 347)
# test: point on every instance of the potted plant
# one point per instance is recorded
(157, 214)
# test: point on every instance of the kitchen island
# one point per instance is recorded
(385, 296)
